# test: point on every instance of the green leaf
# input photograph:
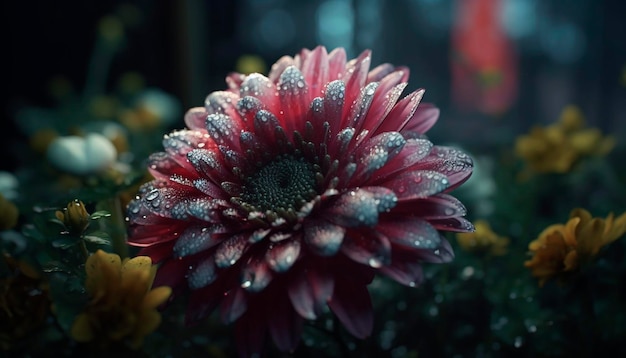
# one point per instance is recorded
(64, 242)
(100, 214)
(98, 237)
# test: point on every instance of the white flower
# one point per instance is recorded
(82, 155)
(8, 185)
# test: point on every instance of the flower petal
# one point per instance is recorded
(334, 99)
(234, 304)
(354, 208)
(224, 130)
(256, 274)
(323, 237)
(453, 163)
(367, 248)
(262, 89)
(283, 255)
(407, 272)
(352, 305)
(423, 119)
(202, 274)
(402, 112)
(196, 238)
(417, 184)
(293, 95)
(410, 232)
(310, 291)
(284, 324)
(195, 118)
(230, 251)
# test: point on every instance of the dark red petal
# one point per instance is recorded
(160, 231)
(195, 118)
(374, 154)
(284, 323)
(369, 249)
(282, 255)
(178, 144)
(230, 251)
(417, 184)
(310, 291)
(353, 208)
(423, 119)
(255, 274)
(265, 124)
(248, 107)
(407, 272)
(409, 231)
(209, 188)
(413, 151)
(202, 303)
(250, 331)
(438, 206)
(234, 80)
(379, 72)
(294, 99)
(171, 273)
(209, 164)
(234, 304)
(196, 238)
(451, 162)
(336, 63)
(279, 67)
(162, 166)
(385, 98)
(360, 107)
(157, 252)
(455, 224)
(315, 70)
(222, 102)
(202, 274)
(323, 237)
(352, 305)
(401, 113)
(355, 76)
(224, 129)
(262, 88)
(334, 99)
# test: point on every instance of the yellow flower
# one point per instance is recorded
(247, 64)
(123, 304)
(562, 248)
(74, 216)
(483, 240)
(556, 148)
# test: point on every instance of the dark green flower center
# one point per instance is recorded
(285, 183)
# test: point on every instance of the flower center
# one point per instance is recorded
(285, 183)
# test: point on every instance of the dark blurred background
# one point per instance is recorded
(554, 52)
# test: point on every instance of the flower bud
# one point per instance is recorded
(75, 217)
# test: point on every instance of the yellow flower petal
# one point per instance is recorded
(81, 329)
(103, 274)
(571, 261)
(156, 297)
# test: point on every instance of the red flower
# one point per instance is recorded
(289, 192)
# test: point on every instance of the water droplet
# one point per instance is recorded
(449, 211)
(374, 262)
(519, 341)
(153, 194)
